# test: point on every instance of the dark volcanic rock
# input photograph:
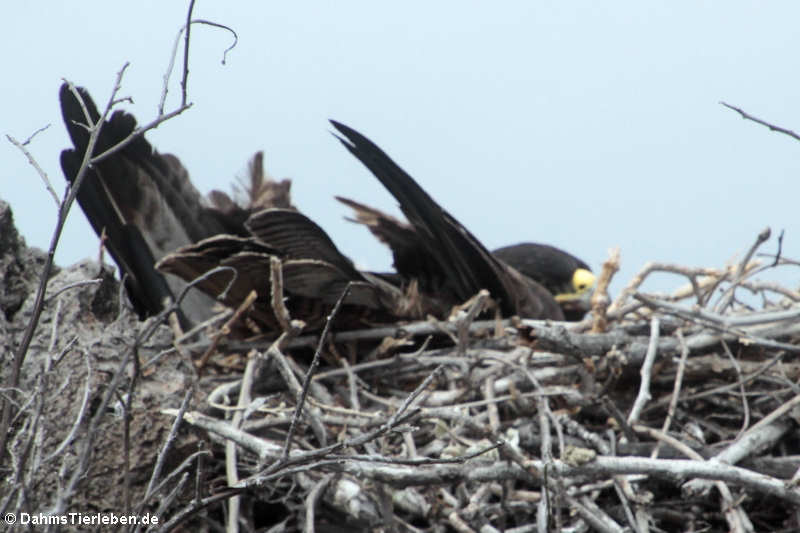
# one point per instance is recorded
(19, 265)
(84, 338)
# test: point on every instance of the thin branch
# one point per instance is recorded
(32, 160)
(727, 298)
(772, 127)
(311, 369)
(600, 299)
(646, 372)
(66, 204)
(185, 78)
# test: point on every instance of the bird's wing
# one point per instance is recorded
(141, 200)
(411, 258)
(469, 266)
(313, 269)
(298, 237)
(312, 264)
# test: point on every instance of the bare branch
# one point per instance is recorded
(772, 127)
(39, 170)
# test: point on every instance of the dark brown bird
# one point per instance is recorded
(150, 213)
(566, 277)
(528, 279)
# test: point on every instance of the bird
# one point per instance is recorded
(568, 279)
(530, 279)
(163, 235)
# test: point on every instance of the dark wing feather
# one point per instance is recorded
(316, 279)
(142, 200)
(469, 266)
(409, 252)
(146, 288)
(195, 260)
(298, 237)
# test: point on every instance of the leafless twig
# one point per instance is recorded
(772, 127)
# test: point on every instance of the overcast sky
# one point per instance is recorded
(586, 125)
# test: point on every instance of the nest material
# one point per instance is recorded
(676, 418)
(678, 415)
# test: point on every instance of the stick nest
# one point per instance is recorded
(659, 413)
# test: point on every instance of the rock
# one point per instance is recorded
(19, 265)
(84, 338)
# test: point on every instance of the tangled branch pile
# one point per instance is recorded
(678, 418)
(681, 416)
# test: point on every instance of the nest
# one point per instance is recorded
(660, 413)
(674, 416)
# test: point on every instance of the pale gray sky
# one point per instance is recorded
(602, 118)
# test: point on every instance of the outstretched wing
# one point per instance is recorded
(142, 201)
(468, 265)
(315, 274)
